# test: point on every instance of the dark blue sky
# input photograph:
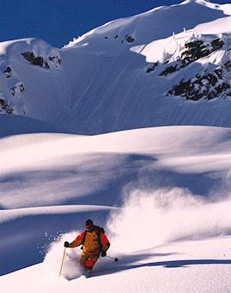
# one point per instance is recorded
(58, 21)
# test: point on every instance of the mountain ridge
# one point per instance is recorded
(107, 79)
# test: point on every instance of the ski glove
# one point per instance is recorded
(103, 253)
(66, 244)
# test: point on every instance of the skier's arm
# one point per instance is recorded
(105, 242)
(78, 240)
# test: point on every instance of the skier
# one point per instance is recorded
(94, 244)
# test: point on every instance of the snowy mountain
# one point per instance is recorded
(163, 194)
(168, 66)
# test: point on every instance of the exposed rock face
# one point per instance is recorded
(12, 96)
(13, 92)
(55, 60)
(18, 87)
(194, 50)
(38, 61)
(152, 67)
(198, 49)
(7, 72)
(129, 39)
(41, 61)
(206, 86)
(5, 108)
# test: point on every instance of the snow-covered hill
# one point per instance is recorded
(168, 66)
(163, 195)
(195, 266)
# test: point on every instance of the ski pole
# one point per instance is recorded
(64, 253)
(115, 259)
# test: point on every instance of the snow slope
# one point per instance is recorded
(107, 79)
(20, 125)
(169, 185)
(163, 194)
(196, 266)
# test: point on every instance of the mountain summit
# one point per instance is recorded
(168, 66)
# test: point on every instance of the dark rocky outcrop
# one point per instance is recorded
(194, 50)
(152, 67)
(8, 72)
(207, 86)
(21, 88)
(17, 88)
(55, 59)
(4, 107)
(38, 61)
(129, 39)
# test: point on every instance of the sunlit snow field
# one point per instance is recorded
(161, 188)
(163, 195)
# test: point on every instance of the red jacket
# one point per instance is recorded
(92, 242)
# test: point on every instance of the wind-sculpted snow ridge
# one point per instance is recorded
(17, 124)
(130, 73)
(158, 177)
(156, 24)
(162, 194)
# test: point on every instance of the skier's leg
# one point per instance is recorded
(91, 261)
(83, 260)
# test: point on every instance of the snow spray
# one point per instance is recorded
(152, 218)
(53, 259)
